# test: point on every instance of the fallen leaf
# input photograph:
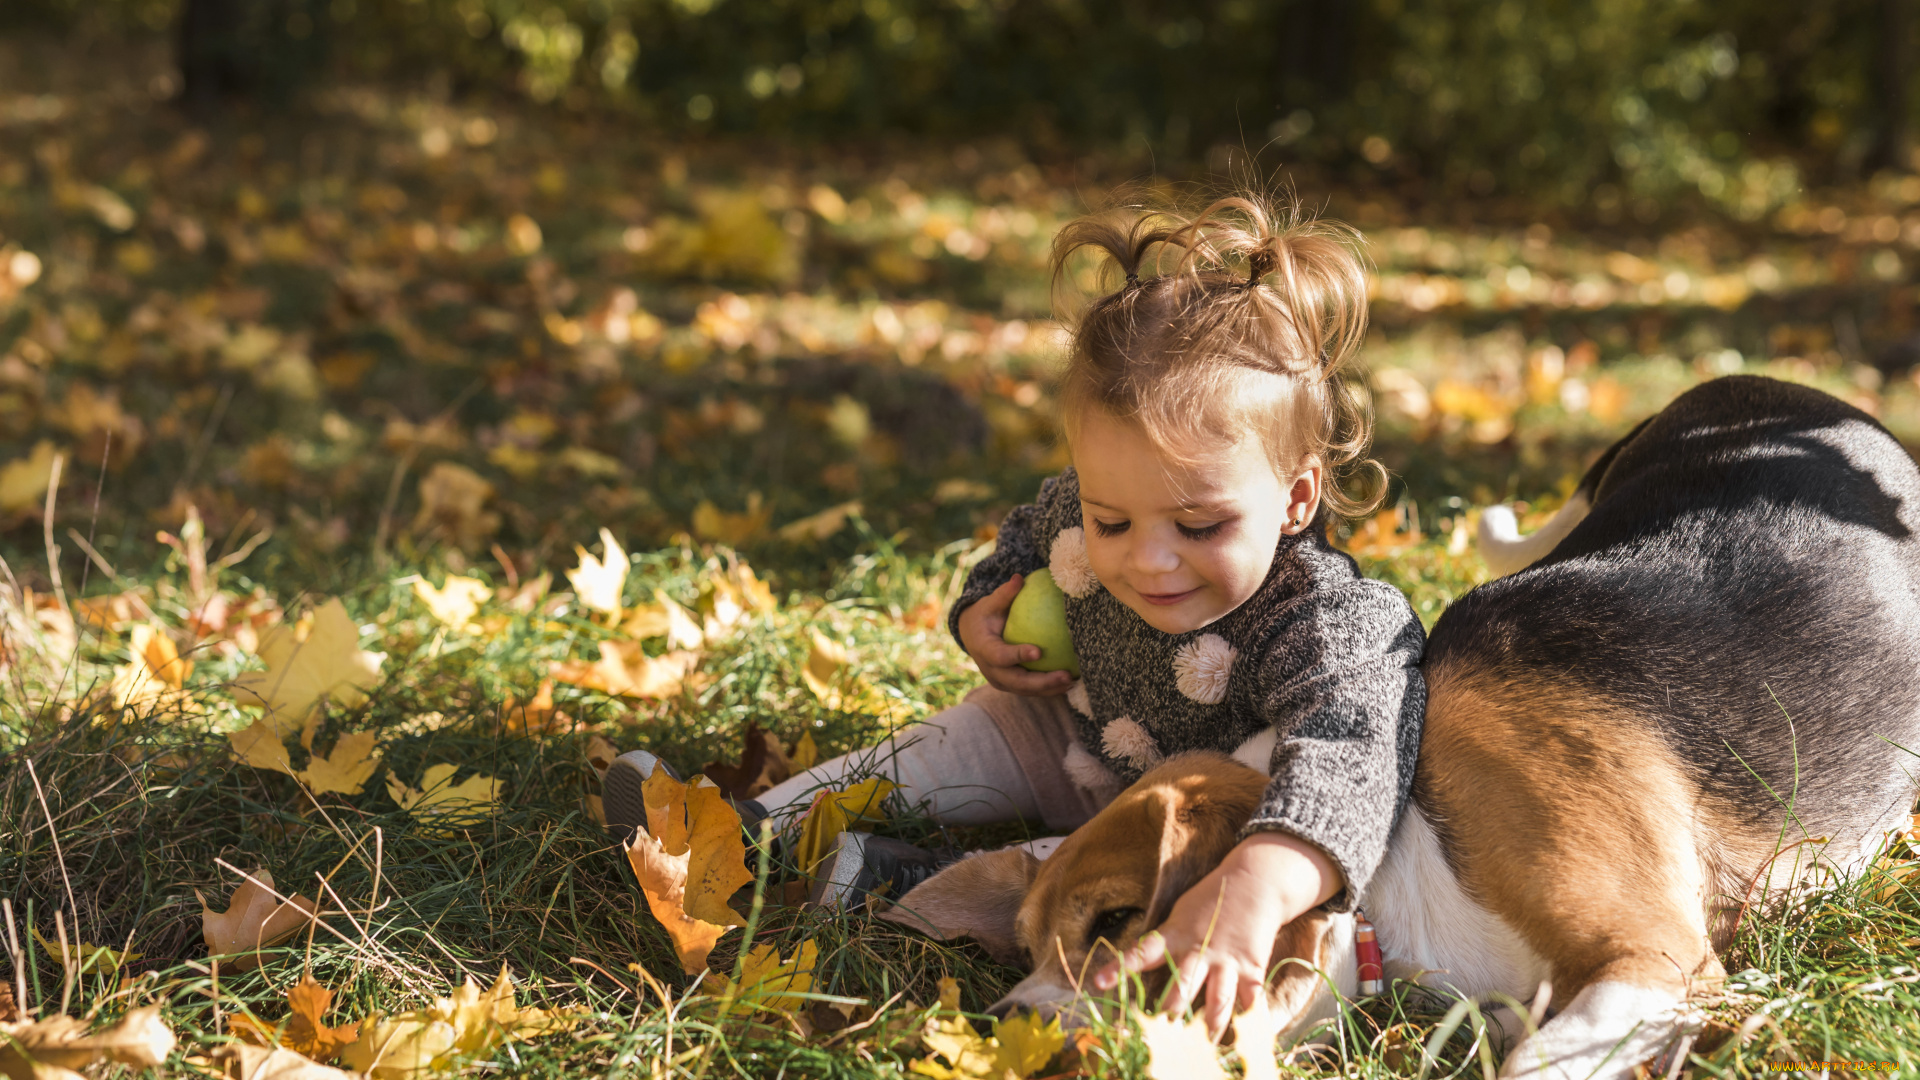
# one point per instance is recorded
(24, 480)
(154, 673)
(1380, 535)
(766, 980)
(114, 611)
(537, 716)
(1027, 1043)
(664, 618)
(833, 812)
(346, 770)
(805, 753)
(327, 662)
(255, 919)
(453, 501)
(689, 860)
(817, 527)
(434, 1039)
(455, 603)
(86, 957)
(624, 670)
(1256, 1038)
(598, 583)
(527, 596)
(763, 763)
(827, 673)
(442, 808)
(239, 1061)
(733, 530)
(51, 1049)
(305, 1031)
(1179, 1049)
(600, 754)
(1018, 1048)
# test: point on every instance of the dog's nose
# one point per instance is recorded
(999, 1010)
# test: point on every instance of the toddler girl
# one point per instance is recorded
(1212, 412)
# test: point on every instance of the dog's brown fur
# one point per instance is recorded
(1598, 798)
(1106, 885)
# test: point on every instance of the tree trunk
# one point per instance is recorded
(1890, 86)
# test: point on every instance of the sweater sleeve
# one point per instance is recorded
(1341, 682)
(1017, 548)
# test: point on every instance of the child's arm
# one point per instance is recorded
(1220, 934)
(980, 614)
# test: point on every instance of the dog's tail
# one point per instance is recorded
(1506, 551)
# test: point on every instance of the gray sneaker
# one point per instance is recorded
(863, 865)
(623, 797)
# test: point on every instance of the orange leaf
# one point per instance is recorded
(254, 919)
(625, 671)
(305, 1031)
(689, 860)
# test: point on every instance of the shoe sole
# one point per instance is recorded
(623, 795)
(835, 886)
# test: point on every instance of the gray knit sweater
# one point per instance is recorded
(1328, 659)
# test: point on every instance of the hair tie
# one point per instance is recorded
(1133, 278)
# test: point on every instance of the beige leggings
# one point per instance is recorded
(994, 757)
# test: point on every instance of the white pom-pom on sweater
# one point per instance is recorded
(1202, 667)
(1068, 563)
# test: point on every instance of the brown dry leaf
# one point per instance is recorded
(625, 670)
(598, 583)
(255, 919)
(442, 808)
(435, 1039)
(53, 1048)
(9, 1008)
(600, 754)
(1179, 1049)
(115, 611)
(453, 501)
(325, 662)
(689, 860)
(733, 530)
(305, 1030)
(763, 763)
(239, 1061)
(527, 596)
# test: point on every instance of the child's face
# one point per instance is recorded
(1181, 544)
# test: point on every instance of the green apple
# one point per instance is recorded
(1039, 617)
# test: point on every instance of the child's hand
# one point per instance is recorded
(1220, 934)
(999, 660)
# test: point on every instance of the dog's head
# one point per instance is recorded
(1114, 879)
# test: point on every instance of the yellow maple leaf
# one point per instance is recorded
(24, 480)
(155, 673)
(598, 583)
(1179, 1049)
(1019, 1047)
(467, 1023)
(734, 530)
(833, 812)
(665, 618)
(442, 808)
(766, 981)
(455, 603)
(255, 919)
(305, 1030)
(327, 662)
(51, 1049)
(86, 957)
(625, 670)
(345, 770)
(689, 859)
(538, 715)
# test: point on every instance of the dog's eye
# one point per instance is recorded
(1110, 924)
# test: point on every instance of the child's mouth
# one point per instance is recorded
(1164, 599)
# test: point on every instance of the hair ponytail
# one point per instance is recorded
(1253, 321)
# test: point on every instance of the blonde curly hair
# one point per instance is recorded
(1249, 322)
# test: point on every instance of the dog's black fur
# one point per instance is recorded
(1748, 580)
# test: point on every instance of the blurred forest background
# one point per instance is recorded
(622, 259)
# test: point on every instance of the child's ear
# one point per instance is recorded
(978, 897)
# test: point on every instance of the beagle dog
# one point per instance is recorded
(1696, 689)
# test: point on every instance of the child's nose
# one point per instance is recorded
(1150, 557)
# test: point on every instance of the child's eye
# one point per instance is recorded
(1106, 529)
(1203, 532)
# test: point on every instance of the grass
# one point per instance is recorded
(360, 315)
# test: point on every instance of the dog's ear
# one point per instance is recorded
(1196, 832)
(978, 897)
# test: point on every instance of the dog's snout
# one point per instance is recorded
(999, 1010)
